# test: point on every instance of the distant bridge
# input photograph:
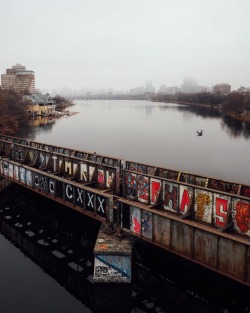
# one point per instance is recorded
(109, 97)
(203, 219)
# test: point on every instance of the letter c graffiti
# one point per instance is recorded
(70, 196)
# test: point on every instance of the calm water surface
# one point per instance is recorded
(158, 134)
(153, 133)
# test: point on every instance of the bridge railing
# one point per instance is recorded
(217, 203)
(80, 197)
(203, 219)
(86, 155)
(79, 169)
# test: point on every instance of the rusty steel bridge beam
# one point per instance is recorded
(203, 219)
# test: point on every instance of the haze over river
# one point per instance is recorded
(157, 134)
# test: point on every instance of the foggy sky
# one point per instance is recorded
(122, 44)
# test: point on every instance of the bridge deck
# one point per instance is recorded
(203, 219)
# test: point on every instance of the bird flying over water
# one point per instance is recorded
(199, 133)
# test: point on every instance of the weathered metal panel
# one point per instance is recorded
(168, 174)
(203, 205)
(52, 186)
(16, 172)
(131, 166)
(181, 238)
(84, 176)
(155, 190)
(141, 168)
(90, 201)
(131, 185)
(185, 198)
(161, 230)
(11, 170)
(146, 224)
(36, 179)
(110, 178)
(101, 204)
(101, 177)
(245, 191)
(29, 177)
(170, 196)
(32, 155)
(231, 258)
(143, 188)
(22, 175)
(221, 205)
(79, 197)
(91, 173)
(69, 193)
(42, 159)
(135, 220)
(241, 215)
(205, 248)
(6, 168)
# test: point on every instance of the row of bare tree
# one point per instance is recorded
(234, 102)
(13, 113)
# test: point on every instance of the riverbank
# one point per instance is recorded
(244, 117)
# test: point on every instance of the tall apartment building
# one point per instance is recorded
(18, 79)
(223, 88)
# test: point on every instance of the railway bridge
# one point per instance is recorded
(203, 219)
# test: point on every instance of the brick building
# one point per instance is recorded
(18, 79)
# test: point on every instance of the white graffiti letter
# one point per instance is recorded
(80, 192)
(69, 188)
(101, 208)
(90, 203)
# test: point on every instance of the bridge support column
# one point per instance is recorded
(112, 272)
(112, 258)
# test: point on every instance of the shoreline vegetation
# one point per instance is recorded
(13, 113)
(235, 105)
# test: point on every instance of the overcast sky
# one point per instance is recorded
(123, 44)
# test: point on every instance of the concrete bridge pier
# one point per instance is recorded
(112, 272)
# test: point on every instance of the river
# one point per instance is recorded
(153, 133)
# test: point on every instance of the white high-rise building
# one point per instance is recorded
(18, 79)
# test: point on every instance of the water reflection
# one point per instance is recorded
(61, 242)
(159, 134)
(233, 127)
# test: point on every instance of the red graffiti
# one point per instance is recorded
(101, 177)
(185, 201)
(242, 216)
(143, 185)
(137, 226)
(155, 191)
(221, 211)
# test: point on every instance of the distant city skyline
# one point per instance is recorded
(20, 80)
(189, 85)
(121, 45)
